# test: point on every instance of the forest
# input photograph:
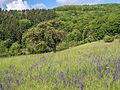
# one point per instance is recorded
(39, 31)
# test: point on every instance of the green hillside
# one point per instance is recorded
(98, 7)
(40, 31)
(92, 66)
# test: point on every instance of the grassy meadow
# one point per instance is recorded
(92, 66)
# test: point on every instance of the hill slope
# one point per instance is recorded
(98, 7)
(39, 31)
(93, 66)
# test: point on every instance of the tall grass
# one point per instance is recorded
(93, 66)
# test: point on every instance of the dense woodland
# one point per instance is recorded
(41, 31)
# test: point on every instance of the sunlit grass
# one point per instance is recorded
(93, 66)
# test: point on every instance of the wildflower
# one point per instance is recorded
(82, 85)
(100, 76)
(115, 76)
(100, 68)
(62, 76)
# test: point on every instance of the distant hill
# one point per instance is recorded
(41, 31)
(98, 7)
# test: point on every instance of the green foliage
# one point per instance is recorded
(53, 38)
(42, 47)
(40, 31)
(89, 39)
(14, 49)
(100, 7)
(3, 49)
(37, 48)
(33, 41)
(44, 37)
(75, 35)
(24, 23)
(62, 46)
(14, 23)
(8, 43)
(117, 36)
(108, 38)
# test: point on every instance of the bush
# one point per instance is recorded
(40, 47)
(31, 48)
(14, 49)
(72, 43)
(82, 42)
(62, 46)
(108, 38)
(117, 36)
(24, 52)
(89, 39)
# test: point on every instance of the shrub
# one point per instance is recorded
(40, 47)
(14, 49)
(24, 51)
(62, 46)
(30, 48)
(72, 43)
(108, 38)
(117, 36)
(82, 42)
(89, 39)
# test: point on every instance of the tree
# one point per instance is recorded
(25, 23)
(43, 37)
(53, 38)
(75, 35)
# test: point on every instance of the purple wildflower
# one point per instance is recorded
(82, 85)
(100, 76)
(115, 76)
(118, 62)
(100, 68)
(118, 66)
(62, 76)
(95, 69)
(74, 75)
(83, 74)
(18, 82)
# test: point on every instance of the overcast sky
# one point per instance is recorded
(29, 4)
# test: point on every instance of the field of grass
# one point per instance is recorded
(93, 66)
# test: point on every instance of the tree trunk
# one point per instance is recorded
(54, 48)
